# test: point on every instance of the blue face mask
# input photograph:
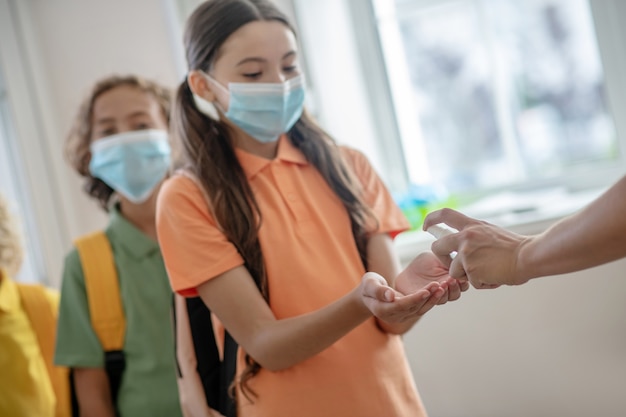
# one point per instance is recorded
(265, 110)
(132, 163)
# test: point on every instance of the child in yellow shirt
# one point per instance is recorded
(28, 380)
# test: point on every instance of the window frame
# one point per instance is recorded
(389, 150)
(40, 194)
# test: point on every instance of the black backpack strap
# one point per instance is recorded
(74, 398)
(114, 364)
(205, 346)
(175, 329)
(229, 367)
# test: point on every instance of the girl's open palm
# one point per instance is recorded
(423, 284)
(425, 269)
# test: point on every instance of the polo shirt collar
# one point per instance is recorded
(137, 243)
(253, 164)
(9, 297)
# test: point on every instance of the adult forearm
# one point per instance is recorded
(593, 236)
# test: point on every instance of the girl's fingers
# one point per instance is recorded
(402, 307)
(413, 303)
(375, 286)
(431, 302)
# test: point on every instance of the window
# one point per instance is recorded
(13, 190)
(497, 93)
(467, 98)
(27, 175)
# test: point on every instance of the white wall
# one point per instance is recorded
(64, 47)
(340, 90)
(555, 347)
(80, 41)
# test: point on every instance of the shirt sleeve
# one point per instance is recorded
(389, 217)
(194, 248)
(77, 345)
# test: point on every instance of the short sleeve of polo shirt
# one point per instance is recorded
(193, 247)
(77, 345)
(390, 218)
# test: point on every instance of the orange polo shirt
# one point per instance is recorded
(311, 260)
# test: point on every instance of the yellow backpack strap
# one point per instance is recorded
(42, 318)
(103, 290)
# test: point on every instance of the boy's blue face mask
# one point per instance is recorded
(132, 163)
(265, 110)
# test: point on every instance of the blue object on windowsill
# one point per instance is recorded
(420, 199)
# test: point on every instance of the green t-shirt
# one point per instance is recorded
(148, 385)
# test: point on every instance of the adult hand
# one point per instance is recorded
(392, 306)
(426, 268)
(487, 255)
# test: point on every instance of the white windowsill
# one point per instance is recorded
(525, 213)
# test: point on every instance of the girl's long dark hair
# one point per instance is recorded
(209, 154)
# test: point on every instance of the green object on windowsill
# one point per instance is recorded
(419, 200)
